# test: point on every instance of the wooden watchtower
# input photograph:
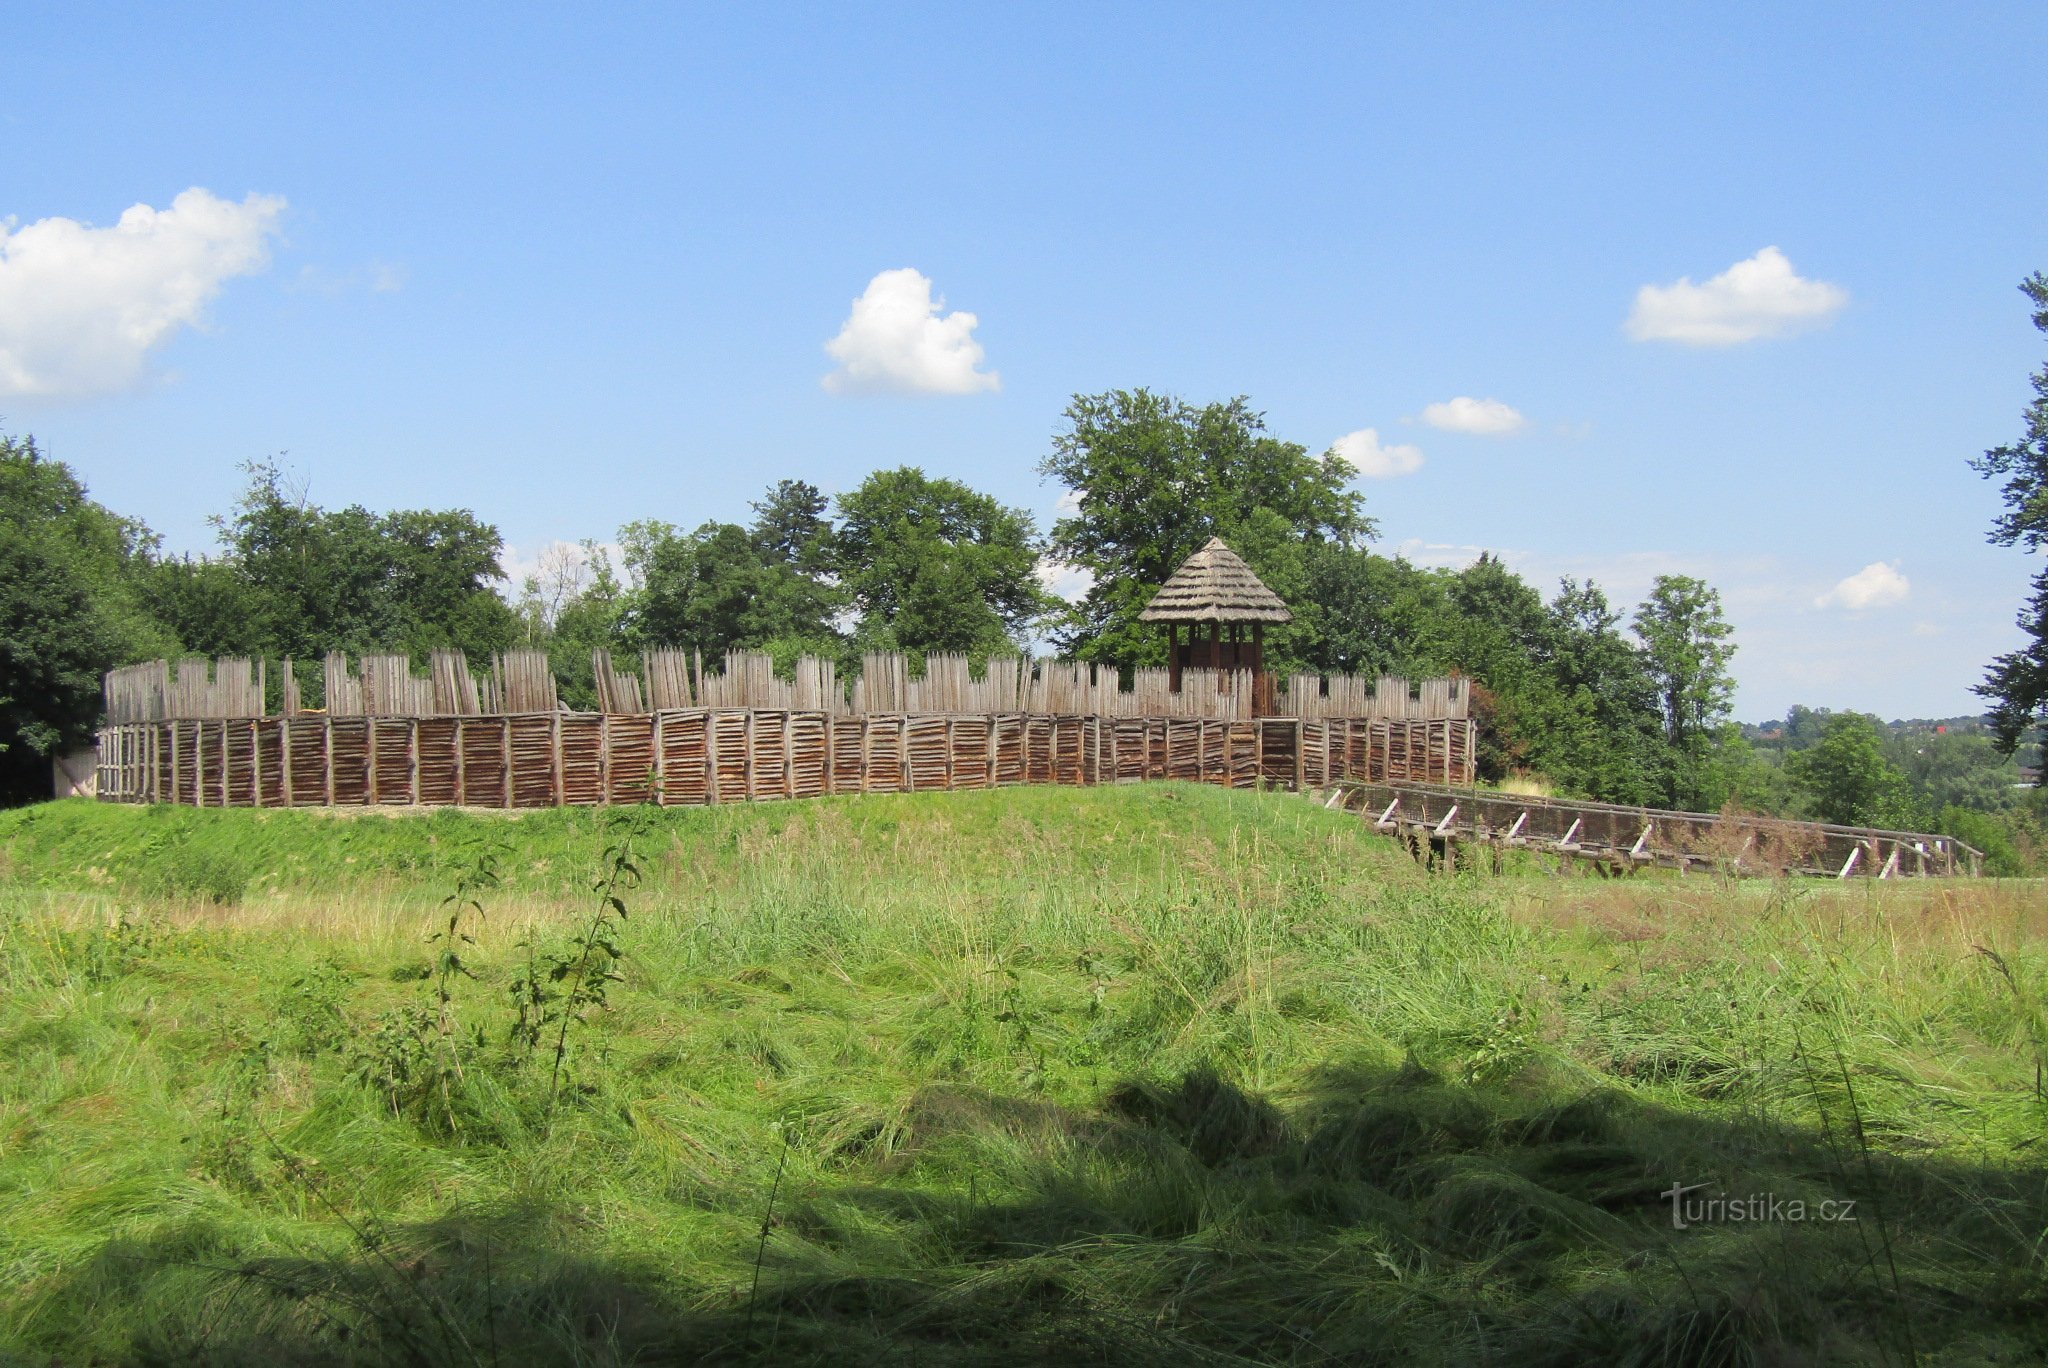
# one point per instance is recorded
(1225, 608)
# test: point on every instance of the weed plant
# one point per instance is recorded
(1151, 1074)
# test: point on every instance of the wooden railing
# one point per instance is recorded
(1436, 816)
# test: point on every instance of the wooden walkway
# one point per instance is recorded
(1435, 820)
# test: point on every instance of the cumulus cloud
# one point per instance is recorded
(897, 339)
(1064, 581)
(1375, 460)
(1760, 297)
(1480, 417)
(82, 308)
(1877, 585)
(1439, 555)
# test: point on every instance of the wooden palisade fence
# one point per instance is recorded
(679, 736)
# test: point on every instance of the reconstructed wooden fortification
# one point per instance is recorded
(678, 735)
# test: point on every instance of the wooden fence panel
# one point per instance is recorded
(629, 772)
(532, 746)
(391, 759)
(583, 758)
(1280, 752)
(436, 760)
(971, 751)
(770, 745)
(485, 779)
(1241, 764)
(730, 734)
(730, 755)
(685, 756)
(883, 743)
(809, 737)
(267, 736)
(930, 752)
(849, 765)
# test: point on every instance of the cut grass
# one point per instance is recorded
(1150, 1074)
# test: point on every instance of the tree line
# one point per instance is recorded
(1624, 705)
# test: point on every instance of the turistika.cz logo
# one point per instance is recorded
(1688, 1210)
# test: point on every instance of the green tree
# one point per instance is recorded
(791, 527)
(1685, 639)
(574, 604)
(70, 608)
(701, 591)
(1846, 777)
(1367, 614)
(1493, 627)
(723, 587)
(1605, 736)
(933, 565)
(53, 648)
(303, 581)
(1558, 688)
(1154, 478)
(1990, 833)
(1956, 769)
(801, 599)
(2017, 682)
(293, 579)
(1751, 778)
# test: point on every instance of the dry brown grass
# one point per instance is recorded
(1927, 913)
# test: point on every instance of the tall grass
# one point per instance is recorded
(1149, 1074)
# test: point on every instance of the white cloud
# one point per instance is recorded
(1877, 585)
(561, 569)
(1374, 460)
(1438, 555)
(896, 339)
(81, 308)
(1760, 297)
(1480, 417)
(1069, 503)
(1069, 582)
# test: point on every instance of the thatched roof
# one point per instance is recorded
(1215, 585)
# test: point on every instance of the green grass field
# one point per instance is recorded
(1158, 1074)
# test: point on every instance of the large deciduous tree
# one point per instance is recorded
(1152, 478)
(1846, 776)
(69, 610)
(300, 581)
(1686, 639)
(935, 566)
(724, 587)
(2017, 682)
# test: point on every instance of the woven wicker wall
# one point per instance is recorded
(714, 755)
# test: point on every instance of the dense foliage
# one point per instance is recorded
(2017, 683)
(931, 565)
(295, 579)
(69, 607)
(1152, 478)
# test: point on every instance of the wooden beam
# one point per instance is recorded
(555, 747)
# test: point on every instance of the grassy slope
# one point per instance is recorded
(1154, 1074)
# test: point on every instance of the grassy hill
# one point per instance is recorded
(1155, 1074)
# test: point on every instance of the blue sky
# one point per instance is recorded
(570, 270)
